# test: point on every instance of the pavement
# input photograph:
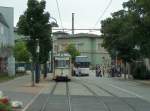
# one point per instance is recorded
(146, 82)
(97, 94)
(21, 89)
(94, 94)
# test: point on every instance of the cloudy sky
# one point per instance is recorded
(87, 12)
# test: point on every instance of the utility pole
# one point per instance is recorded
(37, 66)
(73, 24)
(32, 71)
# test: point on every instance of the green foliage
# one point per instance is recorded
(128, 28)
(35, 24)
(72, 51)
(5, 107)
(20, 51)
(140, 71)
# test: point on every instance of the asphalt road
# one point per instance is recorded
(93, 94)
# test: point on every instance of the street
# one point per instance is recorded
(93, 94)
(101, 48)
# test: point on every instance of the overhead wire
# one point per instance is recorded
(59, 14)
(103, 13)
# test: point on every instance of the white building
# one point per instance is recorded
(7, 61)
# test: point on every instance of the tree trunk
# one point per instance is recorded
(125, 73)
(37, 73)
(45, 70)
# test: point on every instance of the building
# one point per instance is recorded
(7, 61)
(87, 44)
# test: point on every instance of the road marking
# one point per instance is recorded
(34, 98)
(127, 91)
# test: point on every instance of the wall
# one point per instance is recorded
(7, 39)
(8, 14)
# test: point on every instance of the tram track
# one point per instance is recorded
(68, 96)
(47, 100)
(107, 91)
(96, 96)
(52, 92)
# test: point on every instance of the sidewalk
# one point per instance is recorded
(20, 89)
(146, 82)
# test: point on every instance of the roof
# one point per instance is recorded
(3, 21)
(86, 35)
(60, 33)
(79, 35)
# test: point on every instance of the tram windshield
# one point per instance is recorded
(83, 64)
(82, 61)
(62, 63)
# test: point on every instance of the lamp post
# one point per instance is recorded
(116, 59)
(53, 24)
(37, 70)
(32, 71)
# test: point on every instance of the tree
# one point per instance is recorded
(141, 22)
(20, 51)
(34, 23)
(128, 28)
(120, 33)
(72, 51)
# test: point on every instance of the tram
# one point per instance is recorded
(62, 67)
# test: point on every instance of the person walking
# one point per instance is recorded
(77, 71)
(103, 71)
(96, 71)
(99, 71)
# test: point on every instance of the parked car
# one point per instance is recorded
(21, 69)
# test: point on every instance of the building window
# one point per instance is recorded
(80, 46)
(56, 48)
(99, 47)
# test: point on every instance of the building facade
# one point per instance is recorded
(7, 61)
(87, 44)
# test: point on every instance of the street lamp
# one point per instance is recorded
(53, 24)
(116, 58)
(32, 71)
(37, 62)
(27, 39)
(38, 46)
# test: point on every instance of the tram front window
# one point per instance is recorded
(62, 64)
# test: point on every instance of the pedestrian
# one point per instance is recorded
(118, 71)
(103, 71)
(78, 71)
(96, 70)
(99, 71)
(109, 71)
(113, 71)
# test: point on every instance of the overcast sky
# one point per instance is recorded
(86, 12)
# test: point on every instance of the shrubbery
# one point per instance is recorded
(5, 107)
(139, 71)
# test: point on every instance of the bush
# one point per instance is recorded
(139, 71)
(5, 107)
